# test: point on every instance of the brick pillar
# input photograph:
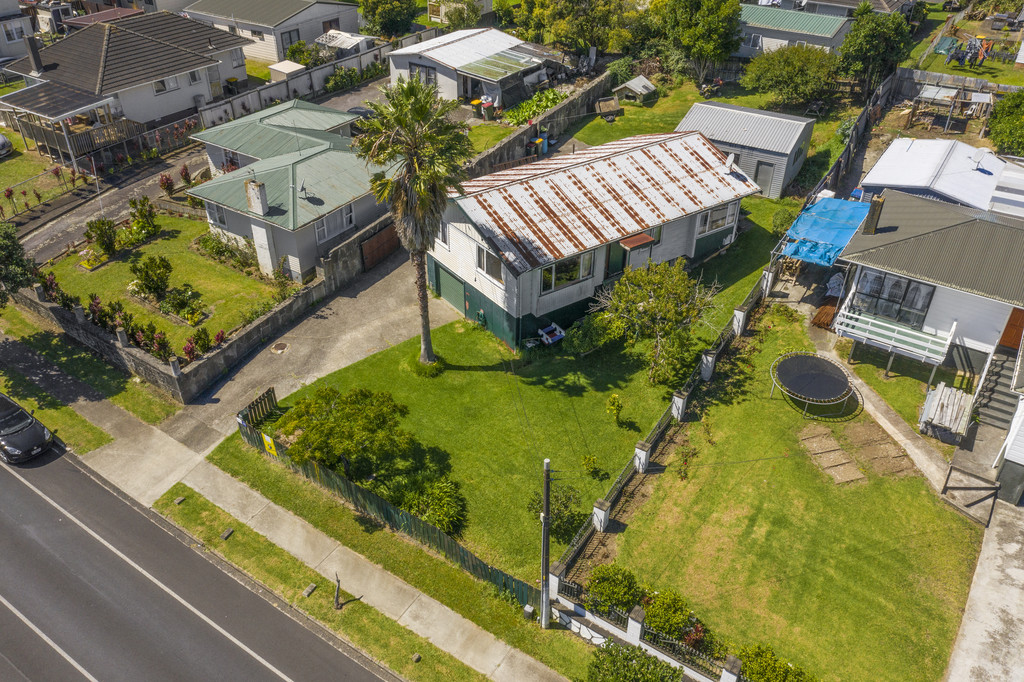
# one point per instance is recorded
(175, 367)
(122, 337)
(40, 294)
(602, 514)
(641, 456)
(731, 669)
(79, 314)
(739, 321)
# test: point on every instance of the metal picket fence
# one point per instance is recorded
(680, 651)
(370, 504)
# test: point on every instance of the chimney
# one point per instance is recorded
(256, 197)
(874, 212)
(34, 60)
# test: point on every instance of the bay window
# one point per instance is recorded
(567, 271)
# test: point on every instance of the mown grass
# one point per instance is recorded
(434, 576)
(257, 71)
(226, 292)
(377, 635)
(486, 135)
(865, 581)
(76, 432)
(131, 393)
(18, 167)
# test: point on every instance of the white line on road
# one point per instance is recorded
(45, 638)
(266, 664)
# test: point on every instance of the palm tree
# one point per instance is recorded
(412, 135)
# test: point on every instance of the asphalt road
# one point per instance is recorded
(94, 588)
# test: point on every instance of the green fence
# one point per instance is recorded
(375, 506)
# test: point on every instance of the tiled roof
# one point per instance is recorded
(261, 12)
(108, 57)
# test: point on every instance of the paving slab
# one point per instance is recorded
(292, 534)
(823, 443)
(814, 429)
(233, 496)
(845, 473)
(833, 458)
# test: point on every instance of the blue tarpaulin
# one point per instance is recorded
(822, 231)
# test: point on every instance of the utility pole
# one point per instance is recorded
(545, 522)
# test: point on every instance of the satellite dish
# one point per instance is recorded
(730, 161)
(978, 156)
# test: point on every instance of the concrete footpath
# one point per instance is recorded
(390, 595)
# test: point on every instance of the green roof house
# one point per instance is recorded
(293, 185)
(766, 28)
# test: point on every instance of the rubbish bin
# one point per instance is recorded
(544, 143)
(476, 108)
(538, 144)
(488, 108)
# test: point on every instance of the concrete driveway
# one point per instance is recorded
(370, 92)
(375, 312)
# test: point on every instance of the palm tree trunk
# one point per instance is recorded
(419, 263)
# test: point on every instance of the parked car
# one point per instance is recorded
(22, 436)
(5, 146)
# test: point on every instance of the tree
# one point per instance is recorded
(154, 274)
(308, 54)
(874, 47)
(357, 432)
(566, 517)
(613, 585)
(461, 14)
(389, 17)
(413, 135)
(762, 664)
(580, 24)
(15, 268)
(504, 11)
(794, 74)
(1006, 124)
(657, 306)
(103, 232)
(706, 32)
(616, 663)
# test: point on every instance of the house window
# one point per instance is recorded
(427, 74)
(348, 216)
(216, 214)
(289, 38)
(332, 25)
(13, 31)
(442, 234)
(896, 298)
(237, 57)
(321, 231)
(655, 233)
(716, 218)
(166, 85)
(194, 77)
(567, 271)
(752, 40)
(488, 263)
(258, 35)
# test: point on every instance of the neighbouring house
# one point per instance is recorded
(477, 63)
(15, 27)
(845, 8)
(764, 29)
(275, 25)
(111, 81)
(75, 23)
(343, 44)
(292, 126)
(638, 89)
(940, 282)
(437, 9)
(51, 15)
(769, 147)
(533, 243)
(298, 189)
(949, 171)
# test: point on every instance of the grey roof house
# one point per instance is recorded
(112, 79)
(769, 147)
(298, 189)
(637, 89)
(275, 25)
(844, 8)
(765, 28)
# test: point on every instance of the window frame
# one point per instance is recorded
(430, 73)
(195, 77)
(285, 35)
(169, 84)
(549, 274)
(753, 40)
(11, 26)
(331, 25)
(348, 216)
(655, 234)
(485, 258)
(884, 301)
(237, 58)
(258, 35)
(215, 211)
(320, 229)
(708, 223)
(443, 235)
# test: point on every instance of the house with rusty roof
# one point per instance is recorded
(477, 63)
(533, 243)
(297, 190)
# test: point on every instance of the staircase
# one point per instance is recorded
(996, 401)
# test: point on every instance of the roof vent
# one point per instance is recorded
(874, 213)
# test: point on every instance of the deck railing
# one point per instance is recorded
(892, 336)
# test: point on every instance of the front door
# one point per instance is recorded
(213, 75)
(615, 261)
(1014, 328)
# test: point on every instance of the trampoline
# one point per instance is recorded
(811, 379)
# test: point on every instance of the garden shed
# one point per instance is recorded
(769, 148)
(638, 89)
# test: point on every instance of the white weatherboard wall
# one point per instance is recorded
(309, 23)
(1015, 438)
(979, 321)
(447, 78)
(460, 258)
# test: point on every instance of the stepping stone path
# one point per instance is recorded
(828, 454)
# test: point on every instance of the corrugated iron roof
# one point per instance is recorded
(460, 48)
(953, 246)
(548, 210)
(791, 20)
(1008, 197)
(731, 124)
(499, 65)
(639, 85)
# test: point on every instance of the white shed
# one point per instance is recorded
(281, 70)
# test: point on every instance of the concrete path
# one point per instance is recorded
(990, 645)
(390, 595)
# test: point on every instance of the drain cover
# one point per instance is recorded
(279, 347)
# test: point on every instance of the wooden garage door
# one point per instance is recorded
(451, 288)
(379, 246)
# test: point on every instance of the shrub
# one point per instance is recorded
(282, 282)
(241, 256)
(533, 107)
(219, 337)
(342, 79)
(186, 174)
(615, 663)
(614, 406)
(792, 74)
(189, 349)
(762, 664)
(185, 302)
(782, 219)
(195, 202)
(161, 347)
(589, 462)
(103, 232)
(153, 274)
(1006, 124)
(167, 184)
(202, 339)
(587, 334)
(429, 370)
(566, 517)
(504, 11)
(142, 216)
(668, 613)
(612, 585)
(621, 70)
(442, 504)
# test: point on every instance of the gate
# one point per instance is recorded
(379, 246)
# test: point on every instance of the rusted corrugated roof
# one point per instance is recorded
(548, 210)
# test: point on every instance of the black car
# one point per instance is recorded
(22, 437)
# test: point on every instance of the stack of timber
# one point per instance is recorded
(946, 413)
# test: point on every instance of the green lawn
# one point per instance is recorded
(488, 134)
(131, 393)
(21, 165)
(377, 635)
(258, 72)
(994, 71)
(865, 581)
(76, 432)
(12, 86)
(445, 582)
(226, 292)
(926, 32)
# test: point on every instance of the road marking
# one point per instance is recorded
(45, 638)
(174, 595)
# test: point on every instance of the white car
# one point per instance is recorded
(5, 146)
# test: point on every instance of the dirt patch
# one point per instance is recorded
(863, 433)
(828, 454)
(872, 448)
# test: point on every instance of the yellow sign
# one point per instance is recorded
(268, 443)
